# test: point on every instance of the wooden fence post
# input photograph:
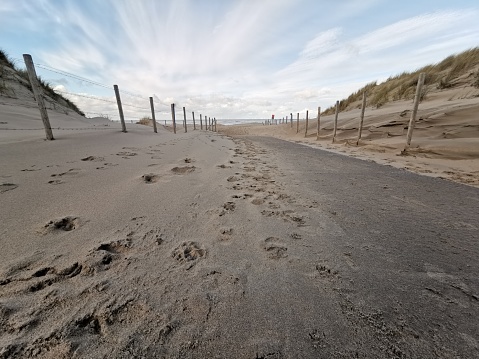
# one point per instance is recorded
(173, 117)
(201, 121)
(215, 124)
(291, 120)
(194, 124)
(363, 107)
(120, 108)
(319, 116)
(153, 115)
(184, 119)
(307, 120)
(417, 99)
(336, 120)
(297, 123)
(38, 93)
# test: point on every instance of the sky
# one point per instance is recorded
(229, 59)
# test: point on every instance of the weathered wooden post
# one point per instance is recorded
(417, 99)
(38, 93)
(215, 124)
(153, 115)
(120, 108)
(307, 120)
(291, 120)
(173, 117)
(297, 123)
(319, 116)
(336, 120)
(201, 121)
(184, 119)
(363, 107)
(194, 124)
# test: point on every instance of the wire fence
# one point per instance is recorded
(132, 110)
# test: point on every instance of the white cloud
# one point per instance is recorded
(235, 58)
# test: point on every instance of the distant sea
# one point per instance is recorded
(242, 121)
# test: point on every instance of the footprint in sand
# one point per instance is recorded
(65, 224)
(183, 170)
(126, 155)
(225, 233)
(55, 182)
(31, 169)
(325, 271)
(150, 178)
(232, 179)
(70, 172)
(93, 158)
(4, 187)
(257, 201)
(188, 251)
(274, 249)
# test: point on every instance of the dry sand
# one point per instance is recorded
(143, 245)
(445, 141)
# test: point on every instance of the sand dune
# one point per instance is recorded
(445, 141)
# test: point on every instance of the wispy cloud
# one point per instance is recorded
(237, 58)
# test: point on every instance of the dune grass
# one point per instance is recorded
(442, 75)
(145, 121)
(5, 60)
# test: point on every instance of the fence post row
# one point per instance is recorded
(307, 120)
(153, 115)
(173, 117)
(37, 92)
(319, 116)
(336, 120)
(120, 108)
(184, 118)
(363, 107)
(417, 99)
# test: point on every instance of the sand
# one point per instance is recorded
(196, 245)
(445, 140)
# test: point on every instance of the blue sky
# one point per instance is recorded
(232, 58)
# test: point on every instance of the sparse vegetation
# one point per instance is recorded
(445, 74)
(6, 61)
(145, 121)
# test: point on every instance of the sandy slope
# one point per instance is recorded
(445, 142)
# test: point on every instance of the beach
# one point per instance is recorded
(239, 244)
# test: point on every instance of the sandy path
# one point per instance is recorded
(198, 246)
